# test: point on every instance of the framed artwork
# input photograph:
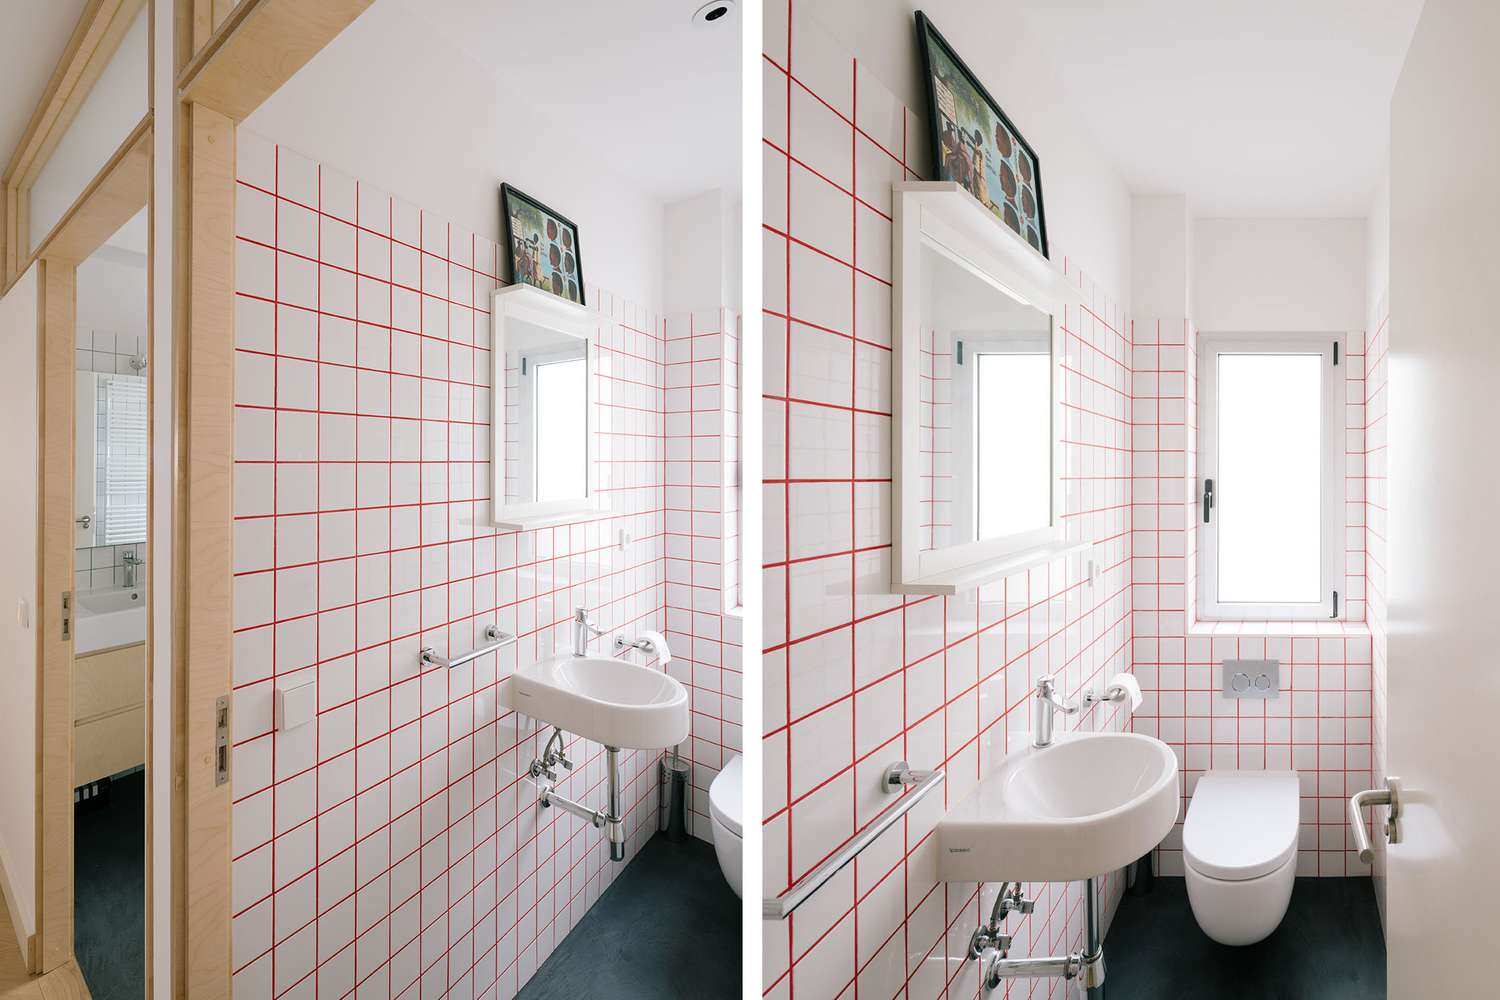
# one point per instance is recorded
(543, 246)
(975, 144)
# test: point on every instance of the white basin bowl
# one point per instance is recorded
(1088, 804)
(610, 701)
(109, 618)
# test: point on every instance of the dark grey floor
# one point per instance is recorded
(1328, 947)
(109, 894)
(667, 928)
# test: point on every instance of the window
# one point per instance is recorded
(1269, 478)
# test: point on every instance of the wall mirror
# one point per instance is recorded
(979, 392)
(543, 413)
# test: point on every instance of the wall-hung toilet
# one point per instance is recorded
(1239, 852)
(726, 806)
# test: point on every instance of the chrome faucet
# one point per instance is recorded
(1046, 705)
(130, 560)
(583, 631)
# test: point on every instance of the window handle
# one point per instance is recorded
(1208, 499)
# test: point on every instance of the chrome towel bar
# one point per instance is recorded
(897, 777)
(497, 640)
(1390, 795)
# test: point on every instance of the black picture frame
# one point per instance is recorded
(551, 261)
(1013, 166)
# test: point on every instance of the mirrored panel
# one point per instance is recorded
(985, 408)
(546, 401)
(111, 458)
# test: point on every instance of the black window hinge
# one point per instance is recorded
(958, 352)
(1335, 604)
(1335, 353)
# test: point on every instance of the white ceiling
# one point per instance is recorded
(33, 34)
(655, 95)
(1266, 108)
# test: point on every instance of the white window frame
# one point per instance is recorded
(1332, 488)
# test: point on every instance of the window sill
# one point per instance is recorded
(1314, 627)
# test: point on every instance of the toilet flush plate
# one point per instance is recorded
(1252, 678)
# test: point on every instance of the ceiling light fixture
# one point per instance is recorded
(714, 13)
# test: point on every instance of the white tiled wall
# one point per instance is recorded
(1376, 408)
(855, 677)
(391, 848)
(1321, 725)
(704, 633)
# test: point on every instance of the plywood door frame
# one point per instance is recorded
(121, 190)
(93, 43)
(230, 61)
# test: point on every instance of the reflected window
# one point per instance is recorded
(1012, 480)
(560, 397)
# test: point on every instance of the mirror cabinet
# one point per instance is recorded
(542, 424)
(978, 319)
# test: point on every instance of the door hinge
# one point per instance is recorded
(1335, 353)
(221, 741)
(1335, 604)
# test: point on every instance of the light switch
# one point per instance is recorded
(296, 704)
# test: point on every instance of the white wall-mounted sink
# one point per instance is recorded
(613, 702)
(109, 618)
(1088, 804)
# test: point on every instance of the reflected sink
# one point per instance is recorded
(610, 701)
(109, 618)
(1087, 805)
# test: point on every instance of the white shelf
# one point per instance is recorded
(966, 578)
(551, 519)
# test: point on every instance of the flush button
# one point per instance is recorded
(1251, 678)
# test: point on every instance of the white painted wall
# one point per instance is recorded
(1087, 203)
(702, 248)
(392, 102)
(18, 555)
(1444, 355)
(116, 105)
(112, 292)
(1161, 257)
(1278, 275)
(1378, 242)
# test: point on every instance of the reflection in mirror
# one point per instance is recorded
(111, 441)
(110, 473)
(985, 408)
(546, 414)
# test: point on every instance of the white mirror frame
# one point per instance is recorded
(946, 217)
(524, 303)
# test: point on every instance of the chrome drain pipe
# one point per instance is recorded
(1086, 965)
(612, 821)
(615, 821)
(1093, 943)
